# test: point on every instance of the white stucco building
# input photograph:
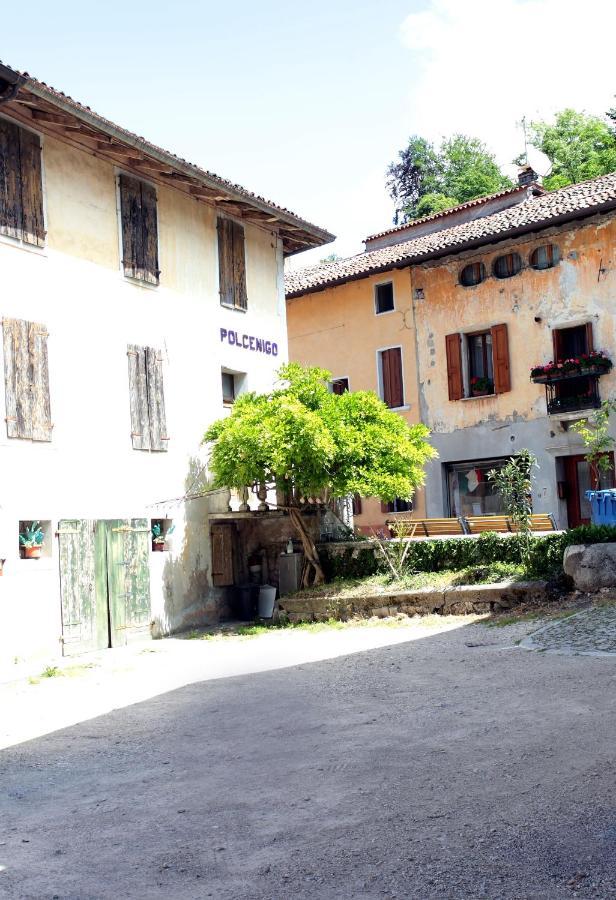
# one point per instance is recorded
(136, 290)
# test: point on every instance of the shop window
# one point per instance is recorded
(35, 540)
(470, 491)
(340, 385)
(384, 297)
(472, 274)
(507, 265)
(545, 257)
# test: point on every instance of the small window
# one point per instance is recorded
(390, 365)
(21, 191)
(384, 297)
(545, 257)
(228, 388)
(35, 538)
(357, 505)
(480, 364)
(340, 385)
(507, 265)
(232, 264)
(399, 505)
(472, 274)
(161, 531)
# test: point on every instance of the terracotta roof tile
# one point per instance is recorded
(571, 202)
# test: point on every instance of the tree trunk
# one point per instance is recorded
(310, 550)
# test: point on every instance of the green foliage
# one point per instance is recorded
(490, 573)
(32, 535)
(513, 481)
(590, 534)
(350, 564)
(579, 146)
(427, 180)
(597, 438)
(309, 440)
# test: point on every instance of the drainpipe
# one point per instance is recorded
(10, 82)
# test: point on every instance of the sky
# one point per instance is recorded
(307, 104)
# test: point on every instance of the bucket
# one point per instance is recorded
(267, 600)
(246, 607)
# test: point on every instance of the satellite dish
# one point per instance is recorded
(539, 161)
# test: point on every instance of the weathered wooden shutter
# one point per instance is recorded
(156, 400)
(222, 555)
(40, 405)
(589, 341)
(149, 226)
(132, 232)
(32, 224)
(239, 267)
(84, 608)
(385, 506)
(17, 378)
(557, 344)
(391, 361)
(453, 346)
(225, 261)
(500, 352)
(128, 577)
(138, 392)
(10, 174)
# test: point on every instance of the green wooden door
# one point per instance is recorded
(84, 601)
(128, 578)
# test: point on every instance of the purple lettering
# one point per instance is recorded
(231, 337)
(268, 348)
(223, 333)
(274, 349)
(259, 345)
(251, 341)
(245, 341)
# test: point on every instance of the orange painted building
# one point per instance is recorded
(481, 294)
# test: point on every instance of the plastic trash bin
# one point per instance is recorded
(602, 506)
(267, 601)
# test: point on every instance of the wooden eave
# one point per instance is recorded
(60, 118)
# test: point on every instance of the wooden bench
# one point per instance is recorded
(426, 527)
(503, 524)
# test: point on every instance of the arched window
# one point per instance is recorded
(545, 256)
(472, 274)
(507, 265)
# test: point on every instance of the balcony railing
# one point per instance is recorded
(584, 395)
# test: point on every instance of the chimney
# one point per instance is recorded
(527, 175)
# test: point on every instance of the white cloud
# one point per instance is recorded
(484, 64)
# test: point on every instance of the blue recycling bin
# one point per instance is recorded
(602, 507)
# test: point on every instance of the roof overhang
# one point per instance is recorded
(35, 104)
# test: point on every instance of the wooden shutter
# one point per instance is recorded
(453, 346)
(357, 504)
(385, 507)
(32, 224)
(589, 341)
(500, 352)
(40, 406)
(156, 400)
(557, 344)
(391, 363)
(17, 378)
(225, 261)
(138, 391)
(10, 174)
(222, 555)
(149, 226)
(239, 267)
(132, 232)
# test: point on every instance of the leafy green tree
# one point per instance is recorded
(514, 482)
(427, 180)
(312, 443)
(579, 146)
(599, 443)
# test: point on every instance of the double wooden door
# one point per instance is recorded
(104, 582)
(581, 477)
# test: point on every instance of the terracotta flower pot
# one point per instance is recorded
(32, 552)
(158, 547)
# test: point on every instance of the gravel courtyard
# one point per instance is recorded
(456, 765)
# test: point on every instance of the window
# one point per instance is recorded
(356, 504)
(232, 264)
(545, 257)
(228, 388)
(139, 230)
(147, 402)
(21, 184)
(507, 265)
(573, 393)
(478, 363)
(398, 505)
(26, 376)
(472, 274)
(470, 492)
(390, 377)
(384, 297)
(340, 385)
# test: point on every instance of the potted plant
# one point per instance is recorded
(31, 541)
(481, 386)
(159, 537)
(595, 362)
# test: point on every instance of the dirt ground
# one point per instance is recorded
(456, 765)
